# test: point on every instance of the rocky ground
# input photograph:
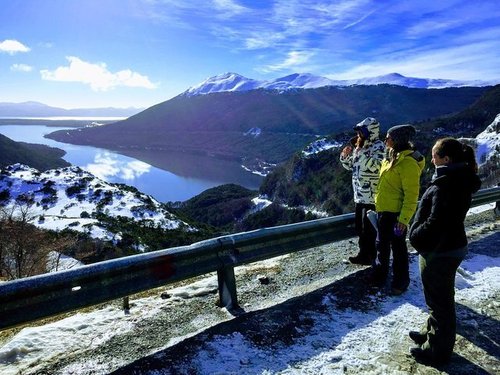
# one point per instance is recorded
(275, 299)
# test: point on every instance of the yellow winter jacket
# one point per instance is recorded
(399, 185)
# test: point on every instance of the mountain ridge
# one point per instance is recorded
(233, 82)
(34, 109)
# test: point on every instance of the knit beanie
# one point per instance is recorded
(401, 134)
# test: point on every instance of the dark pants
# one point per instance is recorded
(366, 232)
(438, 281)
(387, 240)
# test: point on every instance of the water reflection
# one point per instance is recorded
(107, 165)
(165, 176)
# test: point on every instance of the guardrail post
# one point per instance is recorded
(126, 304)
(227, 288)
(497, 206)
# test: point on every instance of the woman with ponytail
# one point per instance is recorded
(438, 234)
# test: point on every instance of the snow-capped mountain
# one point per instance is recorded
(320, 145)
(73, 198)
(236, 82)
(488, 142)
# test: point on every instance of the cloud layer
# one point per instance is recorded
(342, 39)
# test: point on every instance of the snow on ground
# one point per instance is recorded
(55, 209)
(320, 145)
(58, 262)
(347, 337)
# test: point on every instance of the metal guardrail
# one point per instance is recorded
(37, 297)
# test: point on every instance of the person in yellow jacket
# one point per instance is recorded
(396, 201)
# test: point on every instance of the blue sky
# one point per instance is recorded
(122, 53)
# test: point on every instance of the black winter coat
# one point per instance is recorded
(439, 220)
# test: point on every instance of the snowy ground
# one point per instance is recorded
(315, 316)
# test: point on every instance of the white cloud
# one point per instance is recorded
(106, 165)
(450, 63)
(13, 46)
(293, 60)
(97, 76)
(228, 8)
(21, 68)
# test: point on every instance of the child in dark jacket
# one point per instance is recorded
(438, 234)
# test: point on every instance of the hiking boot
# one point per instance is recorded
(417, 337)
(360, 260)
(399, 288)
(426, 357)
(375, 279)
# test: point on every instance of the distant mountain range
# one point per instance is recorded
(36, 109)
(236, 82)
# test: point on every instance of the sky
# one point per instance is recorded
(355, 331)
(137, 53)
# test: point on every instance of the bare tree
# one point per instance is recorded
(23, 247)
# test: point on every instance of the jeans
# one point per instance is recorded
(387, 241)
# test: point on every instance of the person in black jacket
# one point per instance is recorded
(438, 234)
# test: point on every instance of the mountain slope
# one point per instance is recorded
(314, 177)
(37, 156)
(282, 123)
(70, 198)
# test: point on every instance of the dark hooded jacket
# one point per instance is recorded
(439, 221)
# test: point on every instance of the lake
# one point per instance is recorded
(188, 176)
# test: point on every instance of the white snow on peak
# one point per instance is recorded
(236, 82)
(320, 145)
(488, 142)
(71, 197)
(223, 82)
(303, 81)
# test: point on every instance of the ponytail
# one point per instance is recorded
(457, 151)
(469, 157)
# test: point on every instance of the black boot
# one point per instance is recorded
(425, 356)
(417, 337)
(358, 259)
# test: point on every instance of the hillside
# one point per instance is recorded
(221, 206)
(231, 208)
(40, 157)
(472, 120)
(262, 124)
(314, 177)
(72, 199)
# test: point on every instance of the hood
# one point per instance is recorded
(370, 128)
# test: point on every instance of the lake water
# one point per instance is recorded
(189, 175)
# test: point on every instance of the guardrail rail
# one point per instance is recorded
(32, 298)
